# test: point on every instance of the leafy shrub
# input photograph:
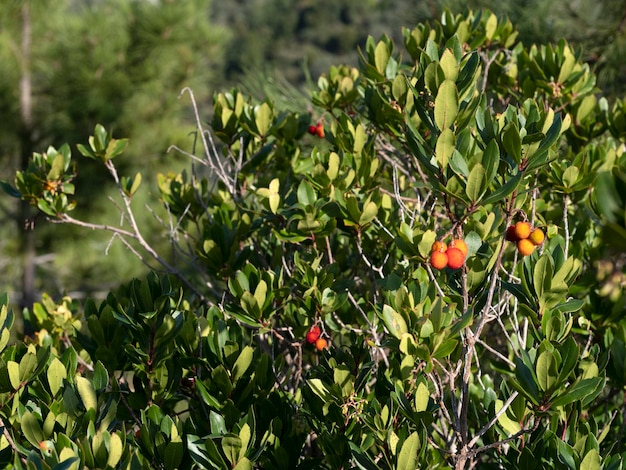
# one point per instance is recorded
(512, 361)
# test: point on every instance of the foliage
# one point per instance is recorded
(510, 361)
(116, 62)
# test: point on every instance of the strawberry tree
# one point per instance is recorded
(299, 322)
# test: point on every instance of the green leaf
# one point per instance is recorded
(243, 362)
(86, 392)
(370, 211)
(578, 391)
(542, 275)
(445, 148)
(114, 148)
(527, 381)
(592, 461)
(306, 194)
(546, 369)
(446, 105)
(116, 449)
(381, 57)
(449, 65)
(407, 459)
(476, 183)
(504, 190)
(56, 374)
(263, 119)
(512, 142)
(13, 368)
(422, 395)
(394, 322)
(231, 445)
(31, 429)
(244, 464)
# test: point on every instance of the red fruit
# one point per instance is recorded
(320, 131)
(438, 259)
(510, 234)
(313, 334)
(321, 344)
(461, 245)
(313, 129)
(456, 258)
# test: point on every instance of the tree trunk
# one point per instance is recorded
(25, 229)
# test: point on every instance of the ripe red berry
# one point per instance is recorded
(510, 234)
(313, 129)
(456, 258)
(461, 245)
(313, 334)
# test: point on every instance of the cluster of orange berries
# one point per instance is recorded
(313, 336)
(451, 256)
(317, 129)
(525, 237)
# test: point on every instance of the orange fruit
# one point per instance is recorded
(537, 236)
(522, 230)
(438, 246)
(321, 344)
(320, 131)
(438, 259)
(525, 247)
(461, 245)
(456, 258)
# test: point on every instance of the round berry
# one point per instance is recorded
(522, 230)
(321, 344)
(456, 258)
(461, 245)
(510, 234)
(525, 247)
(313, 334)
(320, 131)
(438, 259)
(537, 236)
(438, 246)
(313, 129)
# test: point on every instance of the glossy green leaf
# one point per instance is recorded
(591, 461)
(422, 395)
(445, 147)
(243, 362)
(86, 392)
(476, 183)
(263, 119)
(394, 322)
(547, 370)
(381, 57)
(446, 105)
(370, 210)
(56, 374)
(407, 458)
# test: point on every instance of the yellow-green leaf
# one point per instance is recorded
(445, 147)
(86, 392)
(56, 374)
(446, 104)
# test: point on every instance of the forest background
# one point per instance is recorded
(67, 65)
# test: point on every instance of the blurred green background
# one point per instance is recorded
(68, 64)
